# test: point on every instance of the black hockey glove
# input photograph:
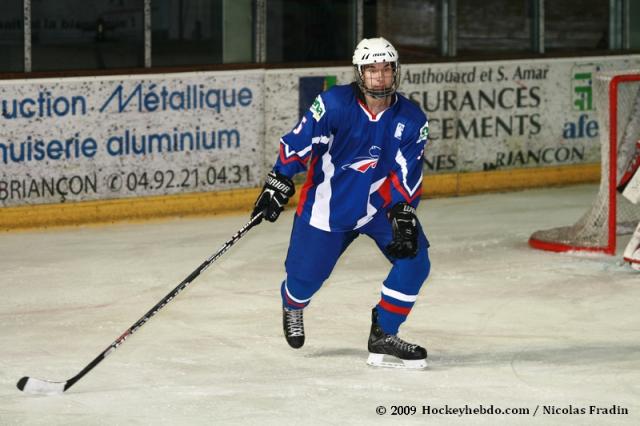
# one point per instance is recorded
(404, 226)
(274, 196)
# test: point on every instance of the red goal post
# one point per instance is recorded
(617, 99)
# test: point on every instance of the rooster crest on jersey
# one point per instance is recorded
(365, 163)
(371, 51)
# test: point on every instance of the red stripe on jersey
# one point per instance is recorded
(385, 192)
(294, 157)
(393, 308)
(402, 191)
(308, 183)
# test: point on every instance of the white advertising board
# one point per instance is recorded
(77, 139)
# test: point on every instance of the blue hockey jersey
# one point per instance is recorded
(357, 162)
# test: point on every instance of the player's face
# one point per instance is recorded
(378, 76)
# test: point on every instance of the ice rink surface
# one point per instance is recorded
(506, 326)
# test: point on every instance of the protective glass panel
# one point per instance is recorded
(188, 32)
(11, 36)
(81, 34)
(302, 30)
(494, 26)
(413, 26)
(576, 24)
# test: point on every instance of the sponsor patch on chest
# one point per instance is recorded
(399, 130)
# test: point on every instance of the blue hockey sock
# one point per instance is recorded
(390, 317)
(297, 294)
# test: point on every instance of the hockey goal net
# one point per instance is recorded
(617, 100)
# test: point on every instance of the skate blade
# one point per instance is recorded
(377, 360)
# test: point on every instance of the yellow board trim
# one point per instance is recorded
(508, 180)
(127, 209)
(241, 200)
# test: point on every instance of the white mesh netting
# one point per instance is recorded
(591, 231)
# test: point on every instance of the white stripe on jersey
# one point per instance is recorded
(288, 152)
(370, 209)
(397, 295)
(403, 166)
(321, 205)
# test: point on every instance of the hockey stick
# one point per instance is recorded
(46, 387)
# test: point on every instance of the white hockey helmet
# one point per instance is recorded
(371, 51)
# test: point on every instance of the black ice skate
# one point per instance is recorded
(293, 327)
(399, 353)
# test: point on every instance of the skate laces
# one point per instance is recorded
(295, 325)
(400, 344)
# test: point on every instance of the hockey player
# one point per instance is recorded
(362, 148)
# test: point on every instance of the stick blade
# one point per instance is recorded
(40, 387)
